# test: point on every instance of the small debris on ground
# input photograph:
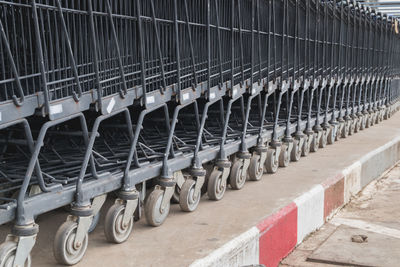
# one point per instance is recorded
(359, 238)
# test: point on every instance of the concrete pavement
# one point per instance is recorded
(374, 212)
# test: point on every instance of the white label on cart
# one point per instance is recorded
(212, 95)
(234, 92)
(150, 99)
(185, 96)
(56, 109)
(111, 105)
(253, 91)
(0, 116)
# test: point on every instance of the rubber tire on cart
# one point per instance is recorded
(295, 154)
(357, 125)
(63, 248)
(345, 131)
(175, 196)
(362, 122)
(216, 187)
(372, 120)
(271, 164)
(351, 127)
(331, 136)
(314, 144)
(154, 216)
(256, 169)
(339, 131)
(305, 150)
(95, 222)
(236, 179)
(376, 117)
(7, 254)
(186, 199)
(209, 169)
(367, 121)
(323, 141)
(284, 157)
(114, 231)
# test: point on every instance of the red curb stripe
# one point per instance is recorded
(333, 180)
(333, 195)
(278, 235)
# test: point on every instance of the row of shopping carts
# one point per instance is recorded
(164, 101)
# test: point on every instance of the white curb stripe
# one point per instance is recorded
(375, 152)
(352, 180)
(240, 251)
(310, 212)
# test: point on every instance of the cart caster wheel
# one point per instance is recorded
(187, 200)
(385, 116)
(95, 222)
(351, 127)
(362, 123)
(284, 157)
(356, 125)
(256, 169)
(314, 144)
(324, 139)
(339, 132)
(345, 131)
(331, 138)
(295, 154)
(367, 121)
(380, 117)
(216, 185)
(114, 229)
(236, 178)
(338, 135)
(209, 169)
(152, 208)
(7, 254)
(64, 249)
(175, 196)
(361, 120)
(305, 150)
(271, 163)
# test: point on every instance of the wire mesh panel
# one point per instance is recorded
(150, 92)
(17, 48)
(47, 47)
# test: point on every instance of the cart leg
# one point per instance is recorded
(15, 251)
(71, 240)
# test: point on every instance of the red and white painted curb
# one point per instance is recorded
(276, 236)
